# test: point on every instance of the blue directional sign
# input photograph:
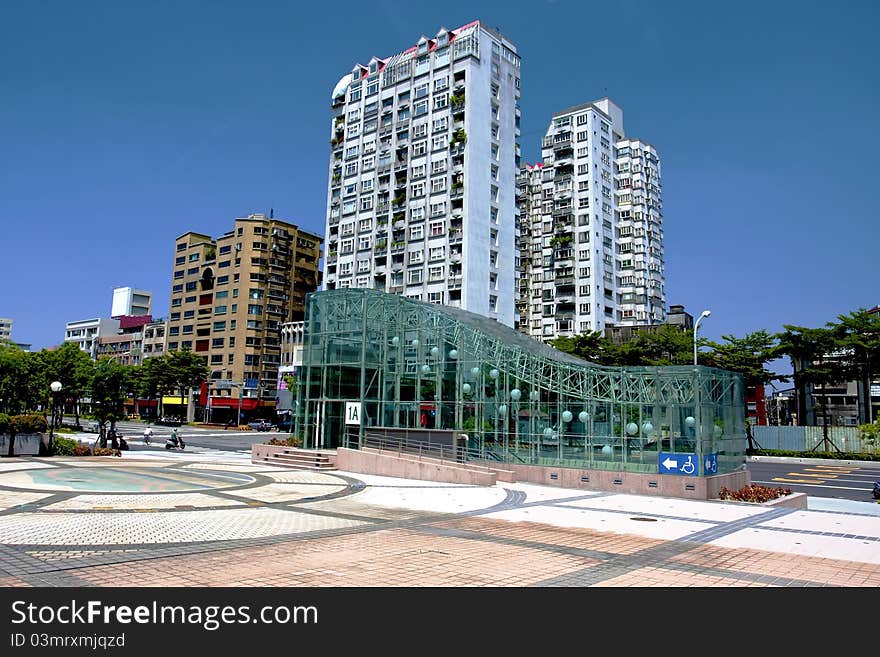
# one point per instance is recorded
(710, 464)
(678, 464)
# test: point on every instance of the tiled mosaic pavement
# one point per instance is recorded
(185, 522)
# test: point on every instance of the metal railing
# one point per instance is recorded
(422, 450)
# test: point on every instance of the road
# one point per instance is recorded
(820, 479)
(211, 437)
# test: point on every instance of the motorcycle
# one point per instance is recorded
(174, 442)
(876, 491)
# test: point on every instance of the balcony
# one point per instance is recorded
(454, 237)
(454, 283)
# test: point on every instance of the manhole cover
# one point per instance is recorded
(640, 519)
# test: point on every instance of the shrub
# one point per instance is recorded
(292, 441)
(29, 423)
(5, 423)
(64, 446)
(82, 450)
(106, 451)
(753, 493)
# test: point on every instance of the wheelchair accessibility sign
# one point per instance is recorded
(710, 464)
(678, 464)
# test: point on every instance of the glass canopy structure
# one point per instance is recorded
(417, 365)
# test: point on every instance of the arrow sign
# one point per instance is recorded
(678, 464)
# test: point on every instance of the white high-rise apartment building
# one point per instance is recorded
(421, 200)
(591, 240)
(5, 329)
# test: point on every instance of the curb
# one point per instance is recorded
(796, 459)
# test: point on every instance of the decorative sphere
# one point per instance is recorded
(434, 351)
(502, 410)
(717, 431)
(566, 416)
(515, 394)
(632, 428)
(535, 395)
(474, 370)
(466, 388)
(415, 343)
(583, 416)
(647, 427)
(606, 449)
(453, 353)
(425, 369)
(55, 386)
(493, 373)
(548, 432)
(689, 421)
(395, 341)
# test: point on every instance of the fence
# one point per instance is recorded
(805, 439)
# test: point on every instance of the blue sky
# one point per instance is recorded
(125, 124)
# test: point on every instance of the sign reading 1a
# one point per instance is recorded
(353, 413)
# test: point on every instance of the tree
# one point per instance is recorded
(667, 345)
(592, 346)
(23, 383)
(73, 368)
(812, 353)
(858, 334)
(748, 356)
(109, 390)
(184, 370)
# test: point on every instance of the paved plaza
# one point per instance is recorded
(213, 518)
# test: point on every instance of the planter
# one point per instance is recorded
(26, 444)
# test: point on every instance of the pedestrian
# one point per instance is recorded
(148, 435)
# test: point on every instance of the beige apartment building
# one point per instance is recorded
(230, 297)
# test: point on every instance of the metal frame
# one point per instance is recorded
(404, 359)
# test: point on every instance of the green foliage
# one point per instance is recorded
(5, 423)
(29, 423)
(870, 433)
(747, 355)
(64, 446)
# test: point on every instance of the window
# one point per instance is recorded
(417, 214)
(420, 130)
(438, 166)
(437, 228)
(418, 189)
(583, 135)
(365, 242)
(438, 143)
(254, 309)
(419, 148)
(441, 101)
(416, 232)
(418, 171)
(441, 83)
(366, 203)
(414, 276)
(435, 273)
(437, 253)
(438, 208)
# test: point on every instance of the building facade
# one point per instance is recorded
(127, 345)
(154, 339)
(5, 329)
(229, 298)
(590, 228)
(131, 302)
(424, 155)
(85, 333)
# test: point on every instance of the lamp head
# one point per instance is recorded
(55, 386)
(705, 313)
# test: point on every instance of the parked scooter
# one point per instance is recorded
(175, 441)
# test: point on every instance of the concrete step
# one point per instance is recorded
(299, 464)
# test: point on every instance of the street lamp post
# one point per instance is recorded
(55, 386)
(703, 314)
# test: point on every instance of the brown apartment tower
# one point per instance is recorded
(229, 299)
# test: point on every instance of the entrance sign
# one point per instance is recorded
(353, 413)
(710, 464)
